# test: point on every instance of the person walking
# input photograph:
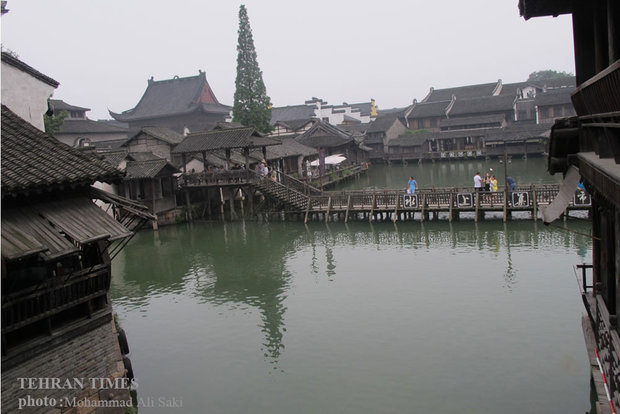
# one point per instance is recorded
(411, 186)
(493, 183)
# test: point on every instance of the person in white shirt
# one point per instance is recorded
(477, 182)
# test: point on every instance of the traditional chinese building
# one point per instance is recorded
(589, 143)
(181, 104)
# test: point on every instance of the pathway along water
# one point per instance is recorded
(435, 317)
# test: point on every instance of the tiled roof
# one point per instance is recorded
(407, 140)
(222, 139)
(147, 169)
(18, 64)
(288, 147)
(166, 135)
(60, 105)
(111, 144)
(383, 122)
(461, 92)
(474, 120)
(143, 156)
(429, 109)
(323, 134)
(500, 103)
(291, 113)
(176, 96)
(364, 107)
(87, 126)
(33, 160)
(517, 132)
(509, 133)
(561, 96)
(113, 158)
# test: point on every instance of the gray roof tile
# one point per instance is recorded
(33, 160)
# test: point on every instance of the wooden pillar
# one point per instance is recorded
(534, 203)
(184, 163)
(204, 162)
(189, 206)
(246, 155)
(227, 159)
(477, 206)
(222, 203)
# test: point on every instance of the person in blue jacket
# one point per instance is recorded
(412, 186)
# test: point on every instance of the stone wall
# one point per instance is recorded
(80, 376)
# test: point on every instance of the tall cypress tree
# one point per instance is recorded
(252, 106)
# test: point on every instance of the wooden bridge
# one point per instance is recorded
(299, 199)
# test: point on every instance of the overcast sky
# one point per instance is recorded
(103, 51)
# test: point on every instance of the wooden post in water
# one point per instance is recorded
(450, 207)
(329, 206)
(189, 206)
(423, 205)
(346, 214)
(222, 201)
(307, 210)
(477, 206)
(372, 206)
(534, 203)
(396, 208)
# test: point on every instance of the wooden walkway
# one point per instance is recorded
(299, 199)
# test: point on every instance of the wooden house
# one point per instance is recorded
(328, 139)
(179, 104)
(156, 140)
(590, 143)
(56, 254)
(380, 132)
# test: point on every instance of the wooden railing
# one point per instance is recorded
(52, 296)
(440, 198)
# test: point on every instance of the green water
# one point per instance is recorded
(453, 174)
(431, 317)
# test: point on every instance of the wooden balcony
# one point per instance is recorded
(53, 296)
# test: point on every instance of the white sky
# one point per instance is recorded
(103, 51)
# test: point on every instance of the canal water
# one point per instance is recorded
(438, 317)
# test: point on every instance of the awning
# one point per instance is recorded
(56, 229)
(330, 160)
(25, 232)
(81, 220)
(554, 210)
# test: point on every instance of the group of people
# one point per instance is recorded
(489, 182)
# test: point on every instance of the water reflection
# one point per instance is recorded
(238, 265)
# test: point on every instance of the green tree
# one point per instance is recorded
(548, 74)
(54, 122)
(252, 106)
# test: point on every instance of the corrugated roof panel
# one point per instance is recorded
(25, 232)
(82, 220)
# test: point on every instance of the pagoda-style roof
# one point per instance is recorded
(60, 105)
(206, 141)
(33, 161)
(177, 96)
(324, 135)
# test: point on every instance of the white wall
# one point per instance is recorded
(25, 95)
